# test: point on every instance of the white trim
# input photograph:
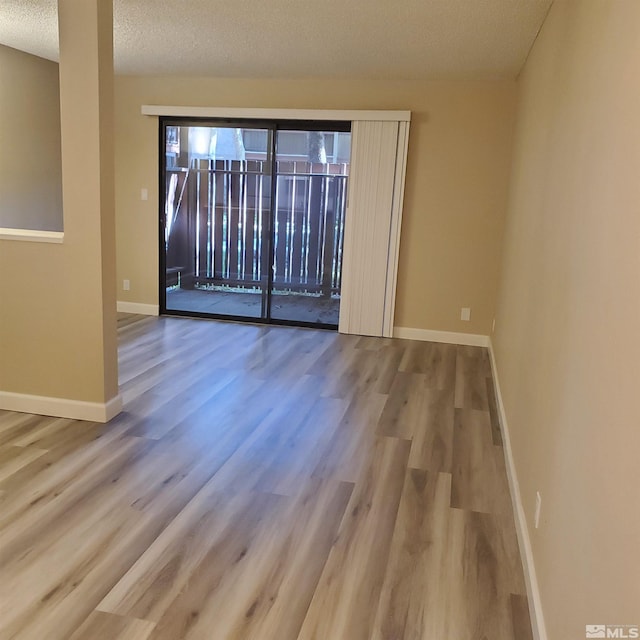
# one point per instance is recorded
(31, 235)
(450, 337)
(138, 307)
(274, 114)
(61, 407)
(524, 542)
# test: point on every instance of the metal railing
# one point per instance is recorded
(219, 223)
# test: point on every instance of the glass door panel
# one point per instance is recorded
(312, 168)
(217, 220)
(244, 237)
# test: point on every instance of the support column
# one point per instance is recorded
(87, 116)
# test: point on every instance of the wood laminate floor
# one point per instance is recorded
(265, 483)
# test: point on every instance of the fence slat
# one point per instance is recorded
(225, 212)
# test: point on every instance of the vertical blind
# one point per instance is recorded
(372, 228)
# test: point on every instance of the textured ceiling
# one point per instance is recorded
(414, 39)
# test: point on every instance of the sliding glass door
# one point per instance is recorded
(252, 221)
(308, 230)
(216, 219)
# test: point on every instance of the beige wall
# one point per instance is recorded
(456, 189)
(57, 309)
(567, 335)
(30, 163)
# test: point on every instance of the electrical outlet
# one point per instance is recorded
(144, 194)
(126, 285)
(536, 518)
(465, 314)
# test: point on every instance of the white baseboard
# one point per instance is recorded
(450, 337)
(138, 307)
(61, 407)
(524, 542)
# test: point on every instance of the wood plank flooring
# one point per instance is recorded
(265, 483)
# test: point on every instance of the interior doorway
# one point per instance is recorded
(252, 219)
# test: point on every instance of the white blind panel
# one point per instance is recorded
(394, 231)
(372, 227)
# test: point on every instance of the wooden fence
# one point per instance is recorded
(218, 225)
